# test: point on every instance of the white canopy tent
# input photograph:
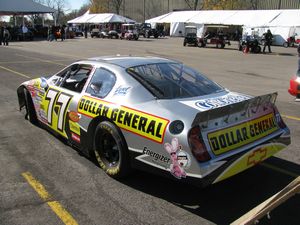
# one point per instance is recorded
(100, 18)
(83, 18)
(279, 21)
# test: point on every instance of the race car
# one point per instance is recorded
(155, 114)
(294, 88)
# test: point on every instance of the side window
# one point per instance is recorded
(101, 83)
(74, 77)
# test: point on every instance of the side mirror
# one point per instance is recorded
(96, 86)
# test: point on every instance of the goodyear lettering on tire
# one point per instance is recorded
(144, 124)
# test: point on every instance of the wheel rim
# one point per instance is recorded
(108, 149)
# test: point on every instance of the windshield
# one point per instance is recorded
(173, 80)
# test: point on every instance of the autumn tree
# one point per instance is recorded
(99, 6)
(227, 4)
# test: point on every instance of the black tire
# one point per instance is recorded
(184, 43)
(30, 111)
(285, 44)
(111, 150)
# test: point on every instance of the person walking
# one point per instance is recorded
(268, 41)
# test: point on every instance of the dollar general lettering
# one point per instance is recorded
(141, 123)
(227, 139)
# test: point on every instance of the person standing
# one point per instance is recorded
(6, 36)
(85, 30)
(268, 41)
(62, 33)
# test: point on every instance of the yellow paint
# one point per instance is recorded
(62, 213)
(138, 122)
(15, 72)
(291, 117)
(225, 140)
(250, 159)
(38, 187)
(56, 207)
(74, 127)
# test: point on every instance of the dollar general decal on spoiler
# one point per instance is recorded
(230, 138)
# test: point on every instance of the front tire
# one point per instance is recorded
(111, 150)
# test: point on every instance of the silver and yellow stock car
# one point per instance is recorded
(155, 114)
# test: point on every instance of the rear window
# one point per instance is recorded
(173, 80)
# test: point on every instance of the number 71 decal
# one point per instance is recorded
(57, 107)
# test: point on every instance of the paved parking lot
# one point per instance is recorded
(44, 181)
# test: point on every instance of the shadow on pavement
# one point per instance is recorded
(224, 202)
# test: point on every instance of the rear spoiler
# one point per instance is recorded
(246, 107)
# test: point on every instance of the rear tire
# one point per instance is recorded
(30, 110)
(111, 150)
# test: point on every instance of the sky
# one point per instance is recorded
(76, 4)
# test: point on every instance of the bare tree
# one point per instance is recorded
(59, 7)
(254, 4)
(192, 4)
(116, 5)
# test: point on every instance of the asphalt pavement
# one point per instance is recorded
(45, 181)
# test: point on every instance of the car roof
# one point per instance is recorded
(130, 61)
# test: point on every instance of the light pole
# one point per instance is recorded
(144, 10)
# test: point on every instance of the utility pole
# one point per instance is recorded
(123, 7)
(144, 10)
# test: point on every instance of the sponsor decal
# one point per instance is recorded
(257, 156)
(180, 160)
(138, 122)
(211, 103)
(121, 91)
(74, 116)
(220, 101)
(75, 137)
(156, 156)
(230, 138)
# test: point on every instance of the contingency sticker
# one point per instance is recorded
(227, 139)
(138, 122)
(211, 103)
